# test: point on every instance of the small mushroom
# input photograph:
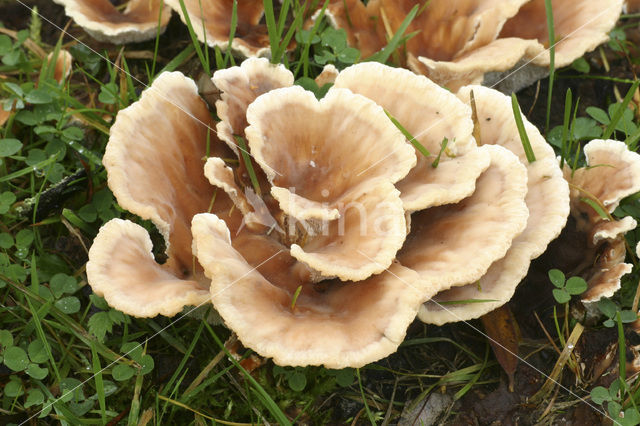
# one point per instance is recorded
(103, 21)
(122, 269)
(62, 66)
(612, 173)
(327, 76)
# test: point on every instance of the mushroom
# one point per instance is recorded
(446, 29)
(340, 324)
(632, 6)
(547, 200)
(431, 115)
(304, 249)
(141, 19)
(327, 76)
(211, 21)
(146, 165)
(342, 156)
(473, 41)
(612, 173)
(62, 66)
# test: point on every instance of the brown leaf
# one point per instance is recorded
(4, 115)
(504, 335)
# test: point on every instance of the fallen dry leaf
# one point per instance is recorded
(504, 334)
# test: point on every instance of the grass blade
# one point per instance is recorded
(269, 403)
(185, 358)
(622, 349)
(304, 57)
(364, 398)
(595, 206)
(247, 161)
(620, 110)
(466, 301)
(632, 141)
(295, 26)
(135, 402)
(410, 138)
(272, 29)
(232, 33)
(566, 147)
(194, 39)
(156, 42)
(526, 144)
(443, 146)
(97, 375)
(180, 59)
(383, 55)
(552, 55)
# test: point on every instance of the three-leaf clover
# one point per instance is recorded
(610, 309)
(566, 288)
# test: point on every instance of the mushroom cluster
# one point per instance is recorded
(319, 229)
(458, 42)
(611, 174)
(141, 20)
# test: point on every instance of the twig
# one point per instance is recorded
(552, 379)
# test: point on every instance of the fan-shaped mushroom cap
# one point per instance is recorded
(446, 28)
(365, 320)
(450, 28)
(122, 269)
(99, 18)
(221, 176)
(498, 125)
(156, 146)
(481, 227)
(327, 76)
(612, 230)
(458, 42)
(580, 26)
(340, 155)
(612, 173)
(430, 114)
(303, 208)
(547, 200)
(474, 67)
(607, 272)
(240, 86)
(211, 21)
